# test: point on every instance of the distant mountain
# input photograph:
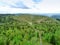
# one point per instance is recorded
(56, 16)
(51, 14)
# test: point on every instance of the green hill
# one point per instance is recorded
(26, 29)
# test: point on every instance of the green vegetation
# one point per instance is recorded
(26, 29)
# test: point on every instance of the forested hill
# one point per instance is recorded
(27, 29)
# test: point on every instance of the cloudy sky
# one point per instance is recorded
(30, 6)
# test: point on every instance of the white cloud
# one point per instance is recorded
(6, 6)
(45, 6)
(49, 6)
(9, 2)
(29, 3)
(17, 10)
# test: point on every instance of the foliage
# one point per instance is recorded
(16, 30)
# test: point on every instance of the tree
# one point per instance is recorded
(53, 40)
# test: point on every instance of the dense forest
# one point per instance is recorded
(27, 29)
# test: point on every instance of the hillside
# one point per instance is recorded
(26, 29)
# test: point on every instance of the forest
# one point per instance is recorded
(28, 29)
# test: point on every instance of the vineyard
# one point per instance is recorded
(26, 29)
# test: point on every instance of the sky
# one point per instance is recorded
(30, 6)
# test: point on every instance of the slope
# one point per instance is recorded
(26, 29)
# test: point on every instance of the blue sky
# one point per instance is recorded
(30, 6)
(36, 1)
